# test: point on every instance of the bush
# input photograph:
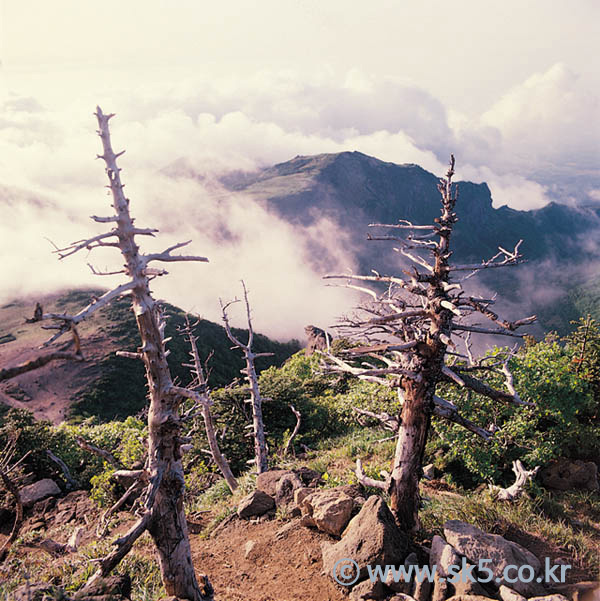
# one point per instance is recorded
(560, 424)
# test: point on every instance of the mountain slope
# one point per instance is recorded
(106, 386)
(353, 190)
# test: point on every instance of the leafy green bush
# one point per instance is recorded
(560, 424)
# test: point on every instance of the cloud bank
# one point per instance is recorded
(531, 145)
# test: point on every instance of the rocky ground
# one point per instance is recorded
(282, 543)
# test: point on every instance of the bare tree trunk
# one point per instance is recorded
(410, 446)
(166, 519)
(261, 455)
(202, 385)
(260, 442)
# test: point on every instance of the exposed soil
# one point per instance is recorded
(279, 569)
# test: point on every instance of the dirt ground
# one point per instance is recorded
(285, 568)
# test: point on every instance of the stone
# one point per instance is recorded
(440, 588)
(328, 510)
(267, 481)
(442, 555)
(580, 591)
(255, 504)
(401, 597)
(371, 538)
(477, 545)
(568, 474)
(401, 585)
(251, 550)
(367, 590)
(468, 598)
(508, 594)
(38, 491)
(422, 590)
(429, 472)
(284, 490)
(317, 339)
(551, 597)
(463, 585)
(301, 493)
(36, 592)
(118, 585)
(309, 477)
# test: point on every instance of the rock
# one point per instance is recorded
(118, 585)
(37, 592)
(476, 545)
(402, 597)
(429, 472)
(309, 477)
(328, 510)
(371, 538)
(256, 503)
(267, 481)
(581, 591)
(317, 339)
(442, 555)
(507, 594)
(469, 598)
(567, 474)
(367, 590)
(301, 493)
(440, 588)
(38, 491)
(251, 550)
(551, 597)
(284, 491)
(401, 585)
(464, 586)
(422, 590)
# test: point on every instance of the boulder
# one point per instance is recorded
(316, 339)
(284, 490)
(267, 481)
(477, 545)
(551, 597)
(38, 491)
(118, 586)
(567, 474)
(37, 592)
(469, 598)
(254, 504)
(309, 477)
(422, 590)
(329, 510)
(367, 590)
(507, 594)
(371, 538)
(442, 555)
(429, 472)
(301, 493)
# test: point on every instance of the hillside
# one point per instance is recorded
(105, 385)
(353, 190)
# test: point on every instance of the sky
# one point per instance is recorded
(510, 88)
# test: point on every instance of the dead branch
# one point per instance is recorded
(515, 490)
(295, 431)
(10, 372)
(106, 455)
(366, 481)
(71, 482)
(387, 421)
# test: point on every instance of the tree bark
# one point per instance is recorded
(166, 524)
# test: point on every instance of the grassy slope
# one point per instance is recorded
(111, 387)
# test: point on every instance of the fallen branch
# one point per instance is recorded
(366, 481)
(514, 491)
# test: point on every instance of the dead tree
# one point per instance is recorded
(289, 444)
(261, 459)
(408, 332)
(161, 509)
(200, 385)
